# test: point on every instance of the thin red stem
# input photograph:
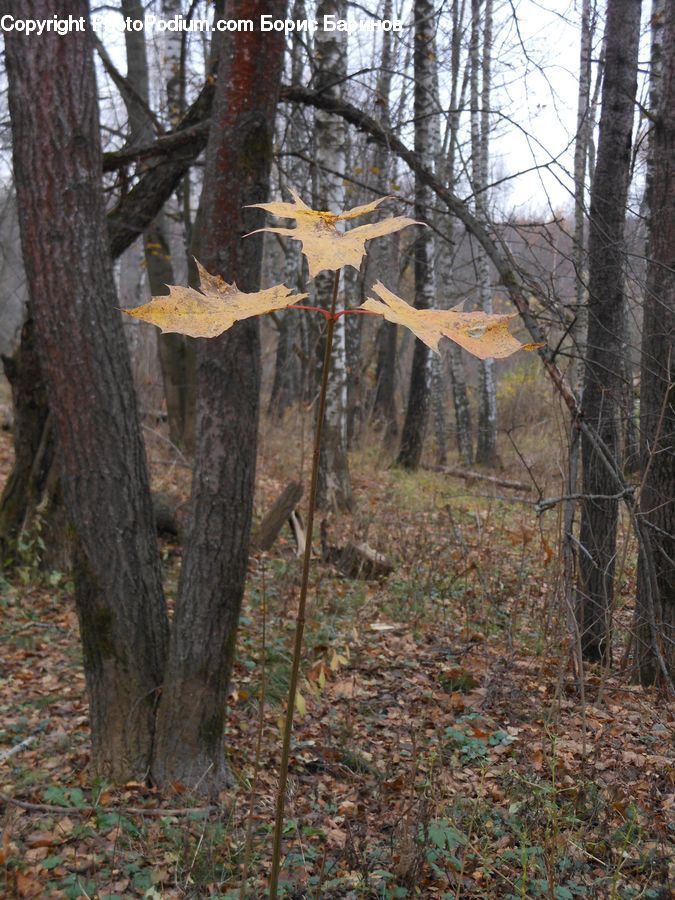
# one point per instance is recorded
(302, 603)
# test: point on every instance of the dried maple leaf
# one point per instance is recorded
(324, 246)
(481, 334)
(211, 310)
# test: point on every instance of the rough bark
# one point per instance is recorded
(417, 411)
(603, 374)
(334, 487)
(189, 738)
(655, 608)
(85, 364)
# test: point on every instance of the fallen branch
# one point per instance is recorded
(90, 810)
(17, 748)
(470, 475)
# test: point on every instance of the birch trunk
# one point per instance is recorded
(384, 256)
(486, 450)
(286, 382)
(334, 487)
(580, 309)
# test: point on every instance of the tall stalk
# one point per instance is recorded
(300, 620)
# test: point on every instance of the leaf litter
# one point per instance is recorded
(440, 752)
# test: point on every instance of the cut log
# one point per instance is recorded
(470, 475)
(272, 523)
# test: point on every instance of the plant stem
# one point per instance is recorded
(300, 620)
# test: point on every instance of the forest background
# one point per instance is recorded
(485, 705)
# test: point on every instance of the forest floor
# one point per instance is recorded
(442, 749)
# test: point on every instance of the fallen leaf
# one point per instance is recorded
(211, 310)
(300, 703)
(482, 334)
(27, 886)
(324, 246)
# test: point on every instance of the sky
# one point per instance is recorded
(533, 102)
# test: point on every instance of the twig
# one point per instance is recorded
(550, 502)
(115, 810)
(17, 748)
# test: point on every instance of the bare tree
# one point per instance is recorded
(384, 403)
(174, 350)
(417, 412)
(480, 62)
(603, 375)
(334, 489)
(655, 608)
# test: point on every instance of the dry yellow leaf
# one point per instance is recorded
(481, 334)
(300, 703)
(324, 246)
(213, 309)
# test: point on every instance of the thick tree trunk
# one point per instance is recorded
(603, 375)
(85, 364)
(417, 412)
(655, 607)
(189, 739)
(334, 488)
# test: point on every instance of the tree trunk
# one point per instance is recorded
(384, 256)
(417, 412)
(655, 607)
(603, 374)
(353, 342)
(189, 739)
(460, 394)
(286, 385)
(334, 488)
(175, 359)
(33, 445)
(486, 448)
(85, 364)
